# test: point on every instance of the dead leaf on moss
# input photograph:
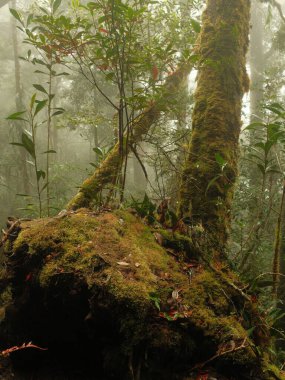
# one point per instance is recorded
(123, 263)
(158, 238)
(137, 265)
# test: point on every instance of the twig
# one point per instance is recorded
(22, 347)
(139, 161)
(231, 284)
(219, 354)
(8, 233)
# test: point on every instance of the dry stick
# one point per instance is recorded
(24, 346)
(105, 174)
(229, 283)
(219, 354)
(8, 233)
(140, 162)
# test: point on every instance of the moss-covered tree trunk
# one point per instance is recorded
(211, 168)
(109, 170)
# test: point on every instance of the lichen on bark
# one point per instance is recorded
(211, 168)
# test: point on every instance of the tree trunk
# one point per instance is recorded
(3, 2)
(107, 173)
(211, 168)
(23, 185)
(256, 55)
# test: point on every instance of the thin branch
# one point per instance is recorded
(219, 354)
(140, 161)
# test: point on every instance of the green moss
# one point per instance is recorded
(271, 372)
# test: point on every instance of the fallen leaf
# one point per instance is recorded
(175, 294)
(123, 263)
(158, 238)
(28, 277)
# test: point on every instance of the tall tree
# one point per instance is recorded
(256, 61)
(19, 102)
(211, 168)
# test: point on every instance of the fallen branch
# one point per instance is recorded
(9, 232)
(24, 346)
(220, 353)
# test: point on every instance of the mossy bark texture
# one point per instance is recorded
(108, 172)
(211, 168)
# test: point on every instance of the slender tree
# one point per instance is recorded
(19, 103)
(256, 56)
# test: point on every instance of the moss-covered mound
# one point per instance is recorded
(112, 298)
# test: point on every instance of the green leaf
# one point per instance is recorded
(254, 126)
(40, 174)
(32, 102)
(17, 15)
(44, 10)
(75, 4)
(211, 183)
(260, 145)
(28, 145)
(29, 19)
(195, 25)
(40, 62)
(220, 160)
(17, 144)
(40, 72)
(98, 151)
(250, 331)
(61, 74)
(16, 116)
(56, 5)
(261, 168)
(49, 151)
(57, 113)
(40, 88)
(40, 105)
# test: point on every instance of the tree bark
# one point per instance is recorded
(256, 56)
(211, 168)
(107, 173)
(3, 2)
(23, 185)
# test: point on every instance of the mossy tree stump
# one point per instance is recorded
(114, 298)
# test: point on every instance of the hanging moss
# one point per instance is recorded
(207, 185)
